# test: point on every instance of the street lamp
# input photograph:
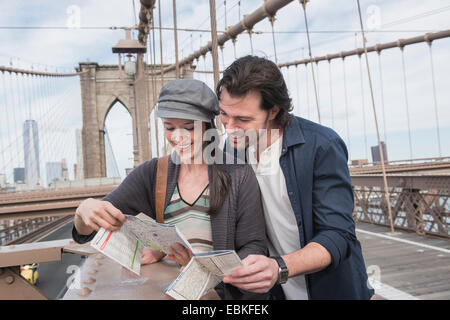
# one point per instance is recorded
(133, 50)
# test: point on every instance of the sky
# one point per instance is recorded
(344, 102)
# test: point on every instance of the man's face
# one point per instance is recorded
(241, 115)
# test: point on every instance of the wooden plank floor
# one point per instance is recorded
(408, 266)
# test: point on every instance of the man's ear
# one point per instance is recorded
(273, 112)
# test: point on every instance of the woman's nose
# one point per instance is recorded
(178, 136)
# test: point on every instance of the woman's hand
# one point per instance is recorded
(151, 256)
(92, 214)
(180, 254)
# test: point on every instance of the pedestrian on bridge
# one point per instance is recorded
(215, 206)
(307, 195)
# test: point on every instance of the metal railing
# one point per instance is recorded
(419, 203)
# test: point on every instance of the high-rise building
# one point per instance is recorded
(376, 153)
(54, 172)
(19, 175)
(80, 168)
(31, 153)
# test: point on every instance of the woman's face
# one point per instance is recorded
(185, 137)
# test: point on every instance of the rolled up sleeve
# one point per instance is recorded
(333, 201)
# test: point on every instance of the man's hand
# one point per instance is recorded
(92, 214)
(258, 274)
(180, 254)
(151, 256)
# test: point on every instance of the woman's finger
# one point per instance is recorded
(92, 224)
(184, 254)
(104, 224)
(114, 212)
(104, 215)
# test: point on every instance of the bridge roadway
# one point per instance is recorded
(53, 275)
(430, 167)
(401, 266)
(59, 202)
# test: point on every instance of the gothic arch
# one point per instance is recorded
(101, 88)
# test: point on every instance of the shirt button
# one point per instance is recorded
(291, 193)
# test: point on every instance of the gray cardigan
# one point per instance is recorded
(238, 226)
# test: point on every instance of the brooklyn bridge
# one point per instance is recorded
(72, 127)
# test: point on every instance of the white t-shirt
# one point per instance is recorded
(281, 224)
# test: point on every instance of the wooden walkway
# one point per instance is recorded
(405, 265)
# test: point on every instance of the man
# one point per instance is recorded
(307, 194)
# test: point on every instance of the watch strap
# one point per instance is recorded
(283, 272)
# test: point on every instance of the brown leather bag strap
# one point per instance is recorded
(162, 170)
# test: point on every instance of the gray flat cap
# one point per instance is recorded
(187, 99)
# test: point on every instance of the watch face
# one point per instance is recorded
(283, 272)
(283, 276)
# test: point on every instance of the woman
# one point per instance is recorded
(215, 206)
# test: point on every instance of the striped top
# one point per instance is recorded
(192, 220)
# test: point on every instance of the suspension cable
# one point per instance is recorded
(303, 3)
(177, 65)
(318, 85)
(297, 89)
(272, 22)
(331, 94)
(307, 92)
(405, 90)
(346, 109)
(363, 106)
(380, 71)
(386, 190)
(214, 41)
(161, 58)
(151, 58)
(155, 97)
(287, 81)
(434, 97)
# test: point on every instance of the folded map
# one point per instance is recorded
(126, 245)
(203, 272)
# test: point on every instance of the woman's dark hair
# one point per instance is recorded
(262, 75)
(219, 186)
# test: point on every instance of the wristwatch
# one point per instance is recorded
(283, 272)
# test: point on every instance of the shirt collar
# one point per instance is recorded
(292, 134)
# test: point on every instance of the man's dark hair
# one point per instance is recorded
(262, 75)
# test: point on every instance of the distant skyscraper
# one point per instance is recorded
(376, 153)
(80, 167)
(54, 172)
(19, 175)
(31, 153)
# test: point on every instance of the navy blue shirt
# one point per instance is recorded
(314, 163)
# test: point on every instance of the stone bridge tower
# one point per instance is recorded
(101, 88)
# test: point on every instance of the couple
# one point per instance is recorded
(294, 202)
